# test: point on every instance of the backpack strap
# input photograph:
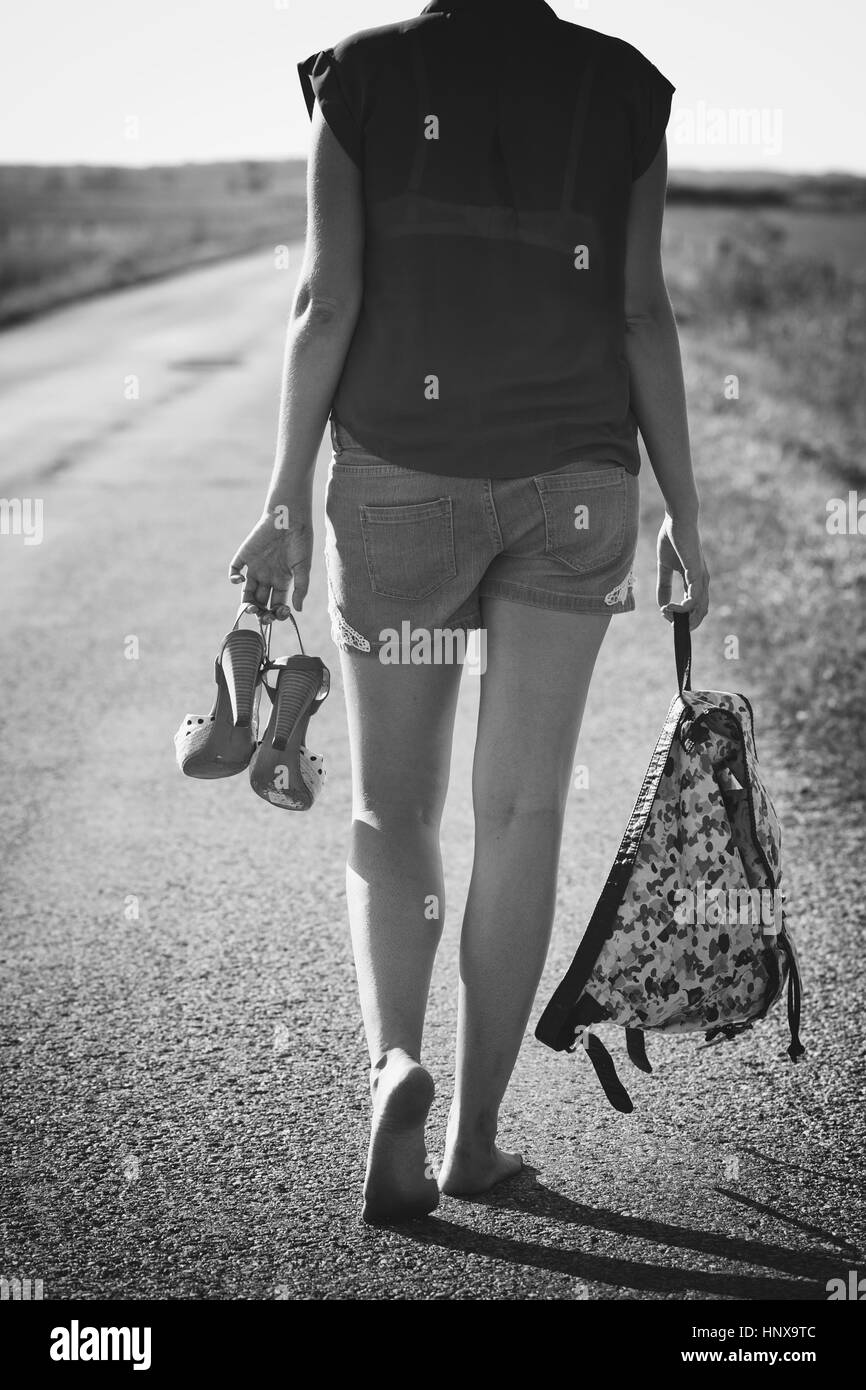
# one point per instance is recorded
(795, 1048)
(606, 1073)
(635, 1042)
(683, 651)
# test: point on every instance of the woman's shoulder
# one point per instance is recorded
(377, 41)
(616, 55)
(365, 53)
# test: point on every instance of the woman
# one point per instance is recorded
(483, 315)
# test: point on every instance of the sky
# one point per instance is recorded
(761, 84)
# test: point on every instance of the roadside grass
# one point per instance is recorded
(791, 328)
(66, 233)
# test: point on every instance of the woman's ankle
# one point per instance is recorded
(471, 1137)
(393, 1057)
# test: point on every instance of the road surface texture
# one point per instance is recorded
(183, 1069)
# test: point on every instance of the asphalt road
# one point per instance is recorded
(183, 1071)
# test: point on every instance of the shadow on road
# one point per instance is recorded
(810, 1268)
(777, 1215)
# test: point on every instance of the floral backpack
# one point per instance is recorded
(689, 933)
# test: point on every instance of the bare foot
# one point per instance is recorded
(466, 1172)
(399, 1185)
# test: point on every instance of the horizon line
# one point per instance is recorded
(673, 168)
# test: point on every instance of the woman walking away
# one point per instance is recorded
(482, 317)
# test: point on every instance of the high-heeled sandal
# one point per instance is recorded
(283, 770)
(222, 743)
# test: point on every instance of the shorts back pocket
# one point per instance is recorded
(409, 549)
(585, 516)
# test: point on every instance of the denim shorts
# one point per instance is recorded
(402, 545)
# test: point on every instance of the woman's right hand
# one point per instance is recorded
(679, 551)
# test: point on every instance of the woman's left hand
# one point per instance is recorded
(277, 552)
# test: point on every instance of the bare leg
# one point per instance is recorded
(532, 699)
(401, 722)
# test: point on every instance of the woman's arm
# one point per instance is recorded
(658, 397)
(323, 318)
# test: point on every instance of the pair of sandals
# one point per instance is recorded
(283, 771)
